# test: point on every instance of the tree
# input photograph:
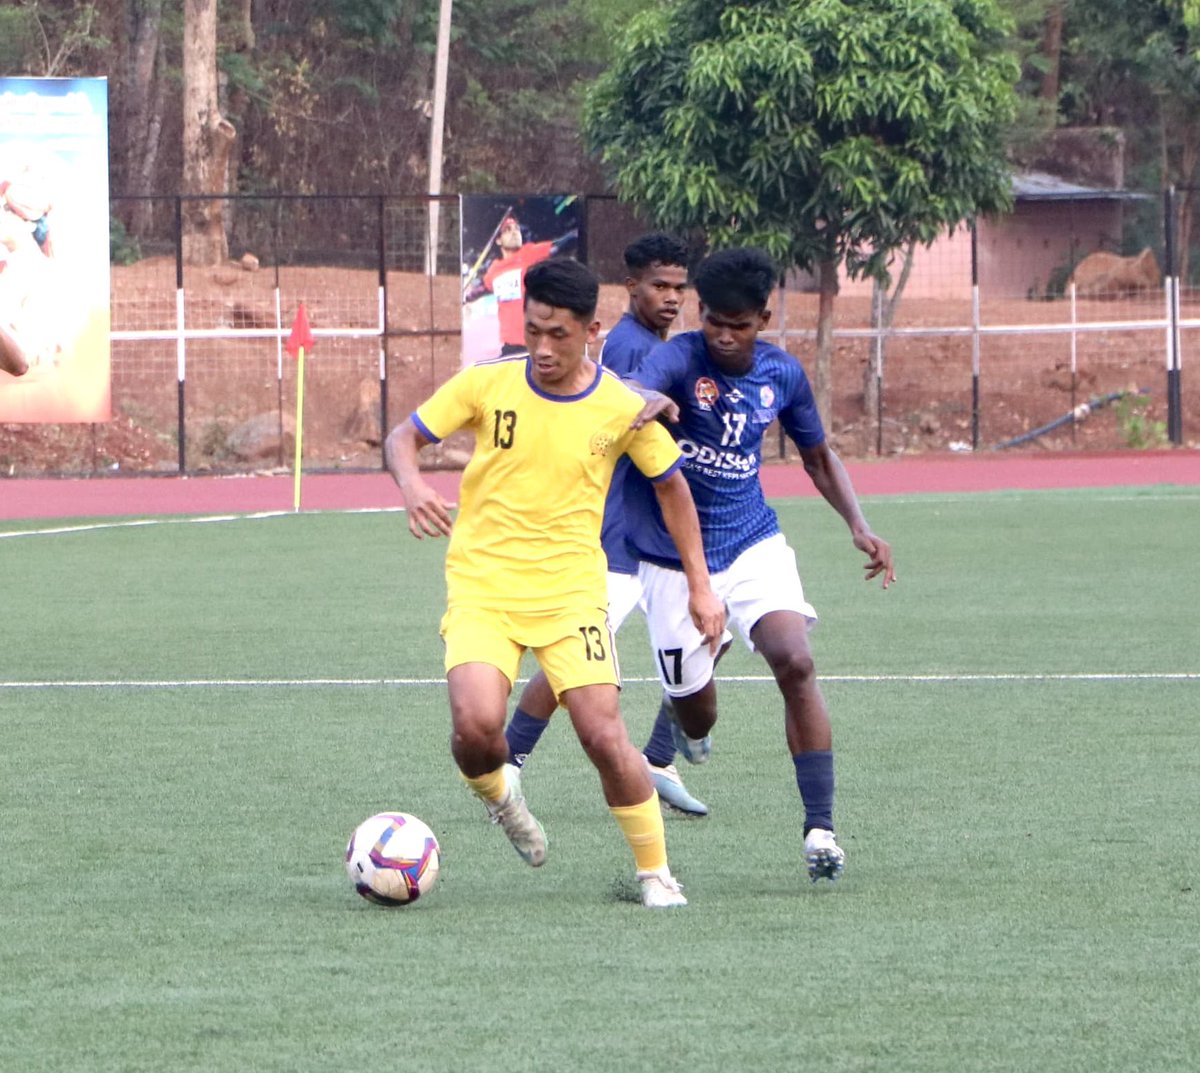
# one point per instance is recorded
(1137, 65)
(207, 137)
(827, 131)
(138, 108)
(54, 40)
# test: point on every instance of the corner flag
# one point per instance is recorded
(300, 340)
(301, 337)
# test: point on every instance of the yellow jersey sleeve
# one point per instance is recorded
(653, 451)
(450, 408)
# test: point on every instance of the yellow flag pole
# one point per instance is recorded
(300, 339)
(297, 467)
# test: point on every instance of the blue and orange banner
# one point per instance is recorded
(54, 256)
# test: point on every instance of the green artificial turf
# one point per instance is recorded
(1022, 843)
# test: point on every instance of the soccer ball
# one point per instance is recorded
(392, 858)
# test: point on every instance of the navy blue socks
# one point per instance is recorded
(660, 749)
(814, 777)
(522, 734)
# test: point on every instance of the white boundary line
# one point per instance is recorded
(136, 523)
(1181, 492)
(246, 683)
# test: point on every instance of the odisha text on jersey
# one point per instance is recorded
(710, 457)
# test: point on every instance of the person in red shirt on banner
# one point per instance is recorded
(505, 278)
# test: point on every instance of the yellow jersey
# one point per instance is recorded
(531, 501)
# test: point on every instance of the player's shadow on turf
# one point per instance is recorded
(623, 889)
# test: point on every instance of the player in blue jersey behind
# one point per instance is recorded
(657, 280)
(729, 386)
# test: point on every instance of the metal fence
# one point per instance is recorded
(973, 356)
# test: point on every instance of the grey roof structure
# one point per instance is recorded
(1041, 186)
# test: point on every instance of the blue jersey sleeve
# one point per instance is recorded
(798, 415)
(665, 367)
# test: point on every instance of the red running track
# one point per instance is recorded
(22, 497)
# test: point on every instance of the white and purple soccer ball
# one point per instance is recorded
(392, 858)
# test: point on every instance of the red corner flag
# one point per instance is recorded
(301, 337)
(300, 341)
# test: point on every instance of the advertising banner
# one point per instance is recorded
(54, 259)
(502, 235)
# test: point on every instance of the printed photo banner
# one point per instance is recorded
(54, 257)
(502, 235)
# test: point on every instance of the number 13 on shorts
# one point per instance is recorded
(585, 656)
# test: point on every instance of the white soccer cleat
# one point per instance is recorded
(823, 856)
(673, 794)
(660, 890)
(513, 815)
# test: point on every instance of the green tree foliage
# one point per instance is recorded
(44, 38)
(826, 131)
(1037, 44)
(1134, 64)
(334, 95)
(820, 130)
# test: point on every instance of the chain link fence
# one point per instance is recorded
(989, 343)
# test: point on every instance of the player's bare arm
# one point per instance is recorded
(682, 522)
(428, 514)
(656, 404)
(830, 478)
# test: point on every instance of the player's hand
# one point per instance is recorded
(708, 614)
(879, 557)
(656, 404)
(428, 514)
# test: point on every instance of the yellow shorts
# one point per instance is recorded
(574, 648)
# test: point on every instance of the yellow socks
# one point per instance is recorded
(642, 826)
(491, 787)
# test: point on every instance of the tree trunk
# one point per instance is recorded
(1189, 154)
(827, 281)
(145, 176)
(141, 112)
(875, 358)
(207, 137)
(883, 314)
(1052, 32)
(240, 38)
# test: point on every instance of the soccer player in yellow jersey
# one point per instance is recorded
(525, 569)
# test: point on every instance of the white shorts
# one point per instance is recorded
(624, 594)
(762, 579)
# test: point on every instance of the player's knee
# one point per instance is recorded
(794, 668)
(477, 744)
(602, 740)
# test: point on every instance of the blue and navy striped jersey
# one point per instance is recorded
(720, 433)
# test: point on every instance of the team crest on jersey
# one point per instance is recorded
(706, 393)
(600, 443)
(766, 396)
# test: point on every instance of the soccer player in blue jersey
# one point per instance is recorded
(524, 568)
(729, 386)
(656, 266)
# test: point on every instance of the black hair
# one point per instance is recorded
(655, 248)
(564, 283)
(736, 280)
